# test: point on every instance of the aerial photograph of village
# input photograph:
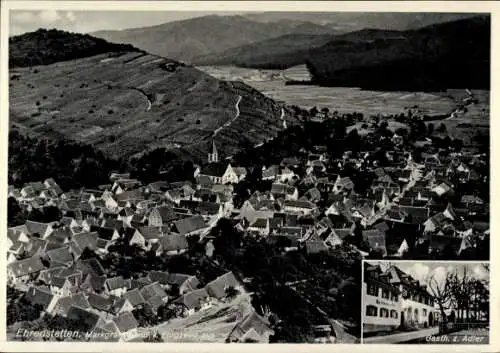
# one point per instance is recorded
(239, 177)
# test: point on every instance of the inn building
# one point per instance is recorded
(392, 300)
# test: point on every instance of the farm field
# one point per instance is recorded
(341, 99)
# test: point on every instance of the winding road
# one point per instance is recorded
(236, 116)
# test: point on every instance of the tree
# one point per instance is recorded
(155, 337)
(231, 292)
(441, 291)
(16, 215)
(430, 128)
(441, 128)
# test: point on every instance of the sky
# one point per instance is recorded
(22, 21)
(423, 271)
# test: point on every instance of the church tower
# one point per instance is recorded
(214, 156)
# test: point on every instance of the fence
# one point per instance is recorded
(463, 326)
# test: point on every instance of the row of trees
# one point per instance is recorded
(462, 293)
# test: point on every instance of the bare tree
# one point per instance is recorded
(442, 294)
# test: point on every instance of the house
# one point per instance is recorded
(61, 256)
(260, 226)
(42, 297)
(252, 328)
(300, 207)
(83, 241)
(218, 287)
(315, 246)
(62, 286)
(127, 325)
(162, 215)
(213, 171)
(43, 230)
(21, 271)
(189, 225)
(172, 244)
(63, 304)
(270, 173)
(135, 298)
(284, 191)
(87, 320)
(107, 234)
(154, 290)
(195, 300)
(101, 305)
(123, 185)
(375, 240)
(116, 286)
(343, 185)
(285, 175)
(233, 175)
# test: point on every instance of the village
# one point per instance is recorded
(80, 256)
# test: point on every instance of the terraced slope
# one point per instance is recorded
(127, 103)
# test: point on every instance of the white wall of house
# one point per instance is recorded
(379, 302)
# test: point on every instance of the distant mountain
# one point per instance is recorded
(49, 46)
(209, 35)
(449, 55)
(353, 21)
(290, 49)
(127, 102)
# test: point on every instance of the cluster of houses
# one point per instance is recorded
(45, 259)
(310, 206)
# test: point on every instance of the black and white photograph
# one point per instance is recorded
(220, 176)
(426, 302)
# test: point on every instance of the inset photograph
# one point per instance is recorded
(425, 302)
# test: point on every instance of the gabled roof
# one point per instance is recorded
(103, 233)
(125, 322)
(214, 169)
(135, 297)
(252, 326)
(192, 300)
(140, 282)
(166, 213)
(85, 317)
(91, 266)
(117, 282)
(64, 303)
(100, 302)
(39, 296)
(189, 224)
(152, 232)
(299, 204)
(315, 246)
(151, 290)
(26, 266)
(36, 227)
(61, 255)
(174, 242)
(217, 288)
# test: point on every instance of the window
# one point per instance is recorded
(394, 297)
(394, 314)
(385, 293)
(424, 312)
(384, 312)
(372, 290)
(371, 310)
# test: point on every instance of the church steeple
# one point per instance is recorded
(214, 156)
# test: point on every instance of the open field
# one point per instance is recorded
(341, 99)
